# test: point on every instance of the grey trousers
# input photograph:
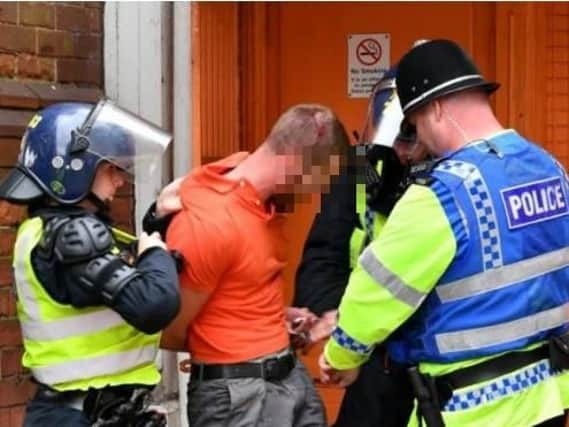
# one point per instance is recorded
(254, 402)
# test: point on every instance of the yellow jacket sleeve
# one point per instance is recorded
(393, 276)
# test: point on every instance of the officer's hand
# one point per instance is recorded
(330, 375)
(169, 199)
(299, 319)
(323, 328)
(146, 241)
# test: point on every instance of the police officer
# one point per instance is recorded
(90, 309)
(351, 216)
(476, 296)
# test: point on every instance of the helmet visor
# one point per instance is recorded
(384, 115)
(128, 141)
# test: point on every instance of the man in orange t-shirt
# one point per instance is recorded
(232, 318)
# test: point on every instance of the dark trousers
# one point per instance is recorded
(554, 422)
(50, 414)
(381, 396)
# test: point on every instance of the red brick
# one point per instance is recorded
(55, 43)
(12, 361)
(37, 14)
(7, 304)
(15, 391)
(73, 18)
(7, 65)
(11, 214)
(32, 67)
(7, 239)
(10, 334)
(5, 417)
(9, 13)
(15, 94)
(17, 39)
(95, 20)
(10, 148)
(79, 71)
(88, 46)
(17, 415)
(6, 272)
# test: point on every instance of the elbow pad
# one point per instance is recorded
(105, 276)
(85, 244)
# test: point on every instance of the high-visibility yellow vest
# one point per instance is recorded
(72, 348)
(361, 237)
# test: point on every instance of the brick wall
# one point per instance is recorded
(49, 52)
(51, 41)
(557, 84)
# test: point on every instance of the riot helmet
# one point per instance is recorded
(64, 144)
(383, 169)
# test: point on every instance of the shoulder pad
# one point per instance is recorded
(82, 239)
(47, 242)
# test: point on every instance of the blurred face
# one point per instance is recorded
(308, 171)
(108, 179)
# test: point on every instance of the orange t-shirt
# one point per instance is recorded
(233, 248)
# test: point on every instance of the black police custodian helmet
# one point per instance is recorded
(433, 69)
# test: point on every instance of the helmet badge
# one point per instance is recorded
(57, 162)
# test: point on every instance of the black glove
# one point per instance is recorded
(383, 190)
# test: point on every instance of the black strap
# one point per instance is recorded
(276, 368)
(492, 368)
(48, 394)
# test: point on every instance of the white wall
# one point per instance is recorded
(147, 71)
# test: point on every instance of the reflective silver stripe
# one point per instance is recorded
(438, 87)
(97, 366)
(25, 293)
(400, 290)
(74, 326)
(472, 339)
(504, 276)
(37, 329)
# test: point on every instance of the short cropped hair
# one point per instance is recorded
(306, 126)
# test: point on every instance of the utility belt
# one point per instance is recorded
(433, 393)
(124, 406)
(270, 369)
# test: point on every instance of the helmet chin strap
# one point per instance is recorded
(102, 206)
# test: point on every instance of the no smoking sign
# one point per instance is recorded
(368, 52)
(368, 60)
